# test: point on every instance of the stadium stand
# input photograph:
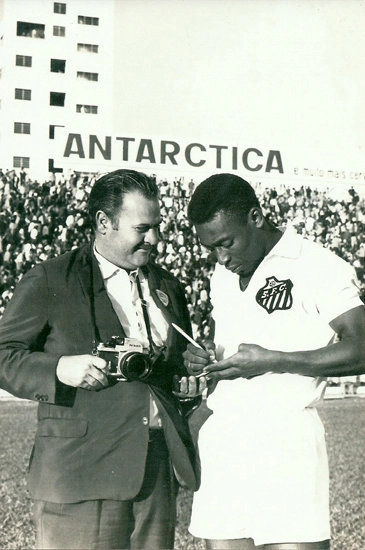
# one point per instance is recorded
(42, 220)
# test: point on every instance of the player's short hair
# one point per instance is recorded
(226, 193)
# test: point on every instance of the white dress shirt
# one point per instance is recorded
(123, 293)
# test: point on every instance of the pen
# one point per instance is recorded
(187, 336)
(176, 327)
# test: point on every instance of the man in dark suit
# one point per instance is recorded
(107, 453)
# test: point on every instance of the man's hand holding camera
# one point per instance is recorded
(83, 371)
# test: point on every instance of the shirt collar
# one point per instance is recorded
(108, 269)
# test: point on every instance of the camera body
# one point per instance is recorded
(126, 360)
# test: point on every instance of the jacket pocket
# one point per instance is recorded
(62, 427)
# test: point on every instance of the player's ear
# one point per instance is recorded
(256, 217)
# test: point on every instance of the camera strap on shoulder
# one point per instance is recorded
(145, 314)
(96, 333)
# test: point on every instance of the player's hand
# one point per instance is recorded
(83, 371)
(195, 359)
(188, 387)
(250, 361)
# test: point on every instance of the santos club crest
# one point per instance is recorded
(275, 295)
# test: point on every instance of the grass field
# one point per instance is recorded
(344, 421)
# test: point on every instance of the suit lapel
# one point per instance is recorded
(106, 320)
(160, 291)
(161, 295)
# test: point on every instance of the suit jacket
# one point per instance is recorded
(89, 444)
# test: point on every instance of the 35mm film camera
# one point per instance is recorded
(126, 359)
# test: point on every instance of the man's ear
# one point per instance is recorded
(101, 222)
(256, 217)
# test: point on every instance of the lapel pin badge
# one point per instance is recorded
(163, 297)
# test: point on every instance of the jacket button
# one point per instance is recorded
(41, 398)
(145, 421)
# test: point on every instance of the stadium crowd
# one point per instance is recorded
(42, 220)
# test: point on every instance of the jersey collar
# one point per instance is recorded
(290, 244)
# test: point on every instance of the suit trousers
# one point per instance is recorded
(145, 522)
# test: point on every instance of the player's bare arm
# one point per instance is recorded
(346, 357)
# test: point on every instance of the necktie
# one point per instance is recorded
(134, 277)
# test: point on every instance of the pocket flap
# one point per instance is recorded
(62, 427)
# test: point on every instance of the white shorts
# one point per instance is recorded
(264, 476)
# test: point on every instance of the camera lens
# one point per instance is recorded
(135, 366)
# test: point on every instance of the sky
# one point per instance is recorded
(272, 74)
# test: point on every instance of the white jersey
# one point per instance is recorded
(264, 462)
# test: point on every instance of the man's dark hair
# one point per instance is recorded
(226, 193)
(108, 193)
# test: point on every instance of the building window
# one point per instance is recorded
(87, 48)
(21, 128)
(34, 30)
(21, 162)
(87, 76)
(57, 99)
(23, 61)
(20, 93)
(83, 20)
(87, 109)
(59, 7)
(58, 65)
(59, 31)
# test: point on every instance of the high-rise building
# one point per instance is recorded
(56, 65)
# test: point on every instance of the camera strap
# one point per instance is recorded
(145, 314)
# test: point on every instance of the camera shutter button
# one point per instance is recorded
(145, 421)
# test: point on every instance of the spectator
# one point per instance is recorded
(323, 221)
